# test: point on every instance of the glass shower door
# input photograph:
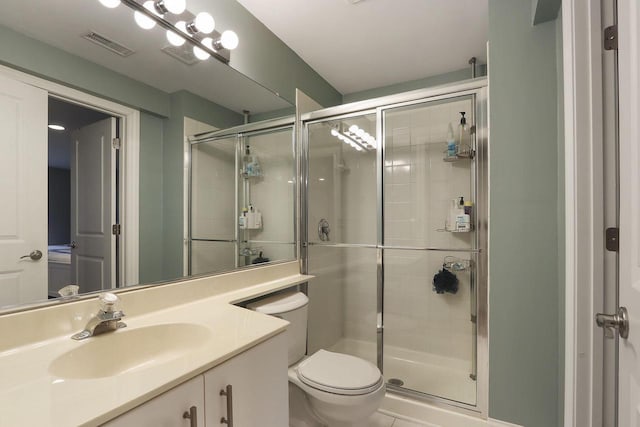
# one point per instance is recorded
(429, 249)
(396, 237)
(342, 239)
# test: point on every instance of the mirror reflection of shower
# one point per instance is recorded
(242, 196)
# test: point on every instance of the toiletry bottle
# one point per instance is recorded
(463, 221)
(242, 220)
(451, 143)
(247, 161)
(251, 218)
(468, 209)
(464, 137)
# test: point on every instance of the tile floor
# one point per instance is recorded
(383, 420)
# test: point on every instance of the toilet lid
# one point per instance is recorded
(339, 373)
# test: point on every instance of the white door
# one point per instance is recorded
(93, 206)
(629, 349)
(23, 192)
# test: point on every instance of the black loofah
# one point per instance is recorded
(445, 281)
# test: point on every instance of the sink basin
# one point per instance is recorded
(128, 350)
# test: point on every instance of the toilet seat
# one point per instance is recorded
(339, 373)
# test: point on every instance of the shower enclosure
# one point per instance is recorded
(241, 196)
(400, 268)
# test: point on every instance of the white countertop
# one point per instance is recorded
(30, 395)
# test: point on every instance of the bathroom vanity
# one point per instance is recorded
(248, 390)
(184, 344)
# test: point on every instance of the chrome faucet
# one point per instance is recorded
(106, 320)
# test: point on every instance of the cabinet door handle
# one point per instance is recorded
(229, 393)
(192, 416)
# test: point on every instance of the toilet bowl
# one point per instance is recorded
(326, 388)
(341, 389)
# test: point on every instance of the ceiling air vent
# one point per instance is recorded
(114, 47)
(182, 53)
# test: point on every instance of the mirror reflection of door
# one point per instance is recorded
(82, 198)
(23, 116)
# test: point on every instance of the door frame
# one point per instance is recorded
(584, 207)
(130, 162)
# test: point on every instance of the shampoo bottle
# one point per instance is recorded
(451, 143)
(464, 136)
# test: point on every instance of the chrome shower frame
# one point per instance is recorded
(476, 89)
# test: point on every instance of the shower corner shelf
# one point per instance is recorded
(459, 231)
(247, 176)
(463, 155)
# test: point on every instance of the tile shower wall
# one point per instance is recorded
(212, 205)
(419, 188)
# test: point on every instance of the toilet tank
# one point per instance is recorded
(292, 307)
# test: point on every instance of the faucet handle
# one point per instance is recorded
(109, 302)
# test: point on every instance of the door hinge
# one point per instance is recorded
(116, 229)
(117, 144)
(612, 239)
(611, 38)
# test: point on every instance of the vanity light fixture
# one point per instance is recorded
(347, 140)
(174, 38)
(54, 126)
(228, 40)
(202, 54)
(110, 3)
(174, 6)
(203, 23)
(143, 20)
(361, 136)
(182, 26)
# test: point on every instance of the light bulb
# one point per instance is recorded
(174, 38)
(143, 20)
(175, 6)
(200, 53)
(353, 128)
(110, 3)
(334, 132)
(229, 40)
(204, 23)
(360, 132)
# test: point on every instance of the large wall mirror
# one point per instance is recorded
(113, 215)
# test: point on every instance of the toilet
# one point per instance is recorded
(325, 388)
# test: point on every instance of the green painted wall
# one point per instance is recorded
(440, 79)
(264, 58)
(561, 220)
(525, 281)
(151, 213)
(545, 10)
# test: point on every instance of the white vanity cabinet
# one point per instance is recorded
(259, 394)
(168, 409)
(258, 384)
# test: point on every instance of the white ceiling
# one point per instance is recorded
(358, 45)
